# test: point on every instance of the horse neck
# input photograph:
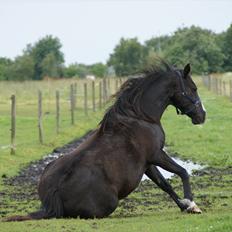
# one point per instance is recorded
(155, 102)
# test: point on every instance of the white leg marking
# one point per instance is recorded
(191, 206)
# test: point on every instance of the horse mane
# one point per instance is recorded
(130, 93)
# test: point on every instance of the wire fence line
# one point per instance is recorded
(217, 85)
(44, 115)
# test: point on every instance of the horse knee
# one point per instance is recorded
(183, 174)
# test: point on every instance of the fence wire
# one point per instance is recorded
(64, 105)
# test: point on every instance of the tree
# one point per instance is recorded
(98, 69)
(76, 70)
(71, 70)
(127, 58)
(47, 48)
(157, 45)
(227, 48)
(21, 69)
(197, 46)
(50, 67)
(4, 65)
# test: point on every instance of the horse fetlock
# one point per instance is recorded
(190, 206)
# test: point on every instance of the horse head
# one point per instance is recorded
(185, 98)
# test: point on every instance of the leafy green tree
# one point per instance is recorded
(197, 46)
(157, 45)
(127, 58)
(76, 70)
(47, 48)
(21, 69)
(82, 70)
(4, 64)
(227, 48)
(98, 69)
(50, 67)
(71, 70)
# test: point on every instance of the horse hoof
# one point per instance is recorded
(190, 206)
(195, 209)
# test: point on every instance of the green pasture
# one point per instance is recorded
(148, 208)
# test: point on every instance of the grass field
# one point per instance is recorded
(148, 208)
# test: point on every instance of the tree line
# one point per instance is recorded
(45, 59)
(205, 50)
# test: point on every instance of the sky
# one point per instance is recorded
(90, 29)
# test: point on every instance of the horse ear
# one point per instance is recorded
(187, 70)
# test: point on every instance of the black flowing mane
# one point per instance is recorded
(128, 97)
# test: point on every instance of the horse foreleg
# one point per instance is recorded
(164, 161)
(154, 174)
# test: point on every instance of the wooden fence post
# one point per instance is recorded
(216, 84)
(120, 82)
(224, 88)
(231, 90)
(13, 123)
(85, 99)
(116, 85)
(40, 117)
(220, 87)
(209, 82)
(75, 96)
(108, 88)
(100, 95)
(204, 80)
(93, 96)
(57, 111)
(72, 104)
(104, 91)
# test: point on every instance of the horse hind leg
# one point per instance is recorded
(97, 205)
(107, 205)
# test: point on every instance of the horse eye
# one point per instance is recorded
(194, 89)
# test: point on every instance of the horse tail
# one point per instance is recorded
(32, 216)
(52, 208)
(53, 204)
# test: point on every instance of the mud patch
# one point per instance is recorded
(31, 173)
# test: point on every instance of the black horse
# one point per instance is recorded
(129, 142)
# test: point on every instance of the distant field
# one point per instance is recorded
(148, 208)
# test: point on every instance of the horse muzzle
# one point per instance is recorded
(199, 118)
